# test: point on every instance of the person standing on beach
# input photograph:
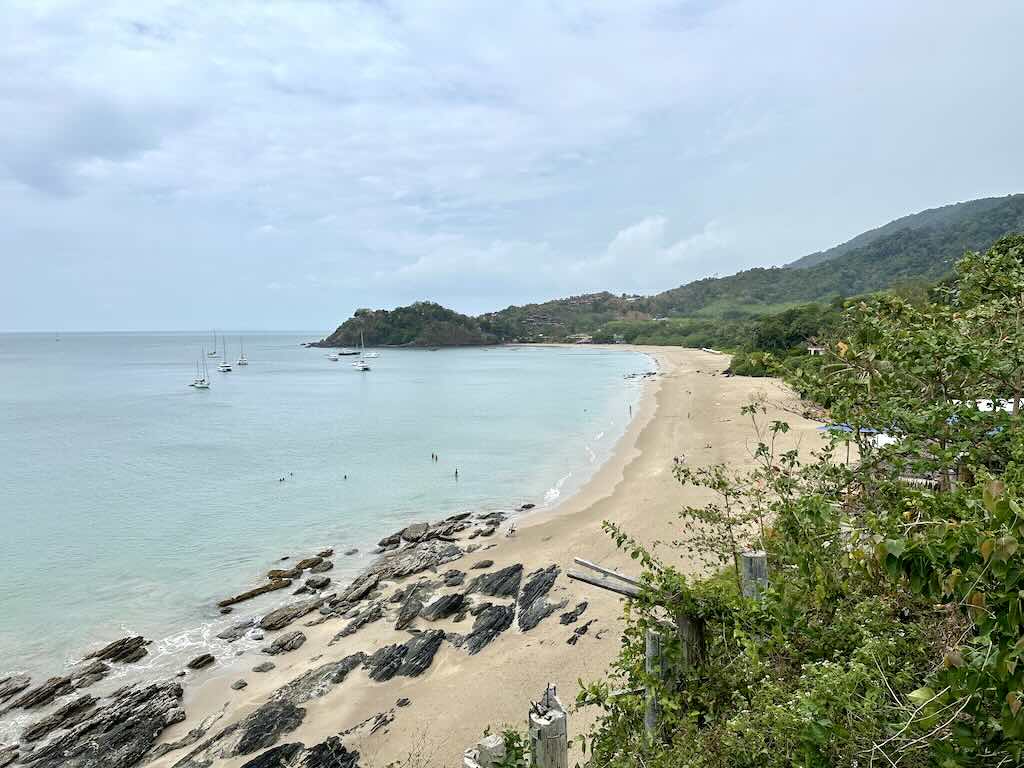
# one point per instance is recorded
(456, 473)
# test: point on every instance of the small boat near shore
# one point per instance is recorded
(361, 364)
(242, 359)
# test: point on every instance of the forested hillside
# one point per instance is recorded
(423, 324)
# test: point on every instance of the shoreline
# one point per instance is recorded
(687, 408)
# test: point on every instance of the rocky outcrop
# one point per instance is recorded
(501, 583)
(360, 588)
(88, 673)
(368, 615)
(116, 735)
(533, 607)
(570, 617)
(309, 562)
(443, 607)
(43, 694)
(13, 684)
(284, 573)
(413, 559)
(262, 590)
(415, 532)
(318, 582)
(123, 651)
(453, 578)
(8, 755)
(328, 754)
(322, 567)
(70, 714)
(201, 661)
(289, 641)
(489, 623)
(264, 666)
(236, 631)
(409, 659)
(481, 564)
(282, 617)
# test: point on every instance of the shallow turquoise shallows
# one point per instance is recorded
(131, 502)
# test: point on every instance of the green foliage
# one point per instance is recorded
(422, 324)
(893, 630)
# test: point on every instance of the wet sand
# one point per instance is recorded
(689, 410)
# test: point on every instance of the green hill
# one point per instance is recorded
(423, 324)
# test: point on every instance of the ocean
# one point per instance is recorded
(130, 502)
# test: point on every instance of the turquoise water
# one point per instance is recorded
(130, 502)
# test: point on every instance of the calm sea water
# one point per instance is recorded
(130, 502)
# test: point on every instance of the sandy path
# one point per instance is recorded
(683, 411)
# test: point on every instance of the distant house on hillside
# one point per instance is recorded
(814, 350)
(581, 338)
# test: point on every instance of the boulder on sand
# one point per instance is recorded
(501, 583)
(443, 607)
(489, 623)
(201, 661)
(285, 615)
(309, 562)
(415, 532)
(289, 641)
(533, 607)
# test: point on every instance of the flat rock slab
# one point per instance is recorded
(322, 567)
(409, 659)
(443, 607)
(309, 562)
(43, 694)
(411, 559)
(328, 754)
(70, 714)
(13, 684)
(264, 666)
(481, 564)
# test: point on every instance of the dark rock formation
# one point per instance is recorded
(524, 507)
(369, 615)
(476, 610)
(8, 755)
(415, 532)
(501, 583)
(325, 553)
(387, 541)
(328, 754)
(87, 674)
(480, 564)
(318, 582)
(360, 588)
(124, 651)
(118, 734)
(289, 641)
(453, 578)
(309, 562)
(403, 702)
(353, 551)
(239, 685)
(236, 631)
(579, 632)
(70, 714)
(570, 617)
(409, 659)
(322, 567)
(269, 587)
(414, 559)
(281, 756)
(43, 694)
(13, 684)
(201, 661)
(264, 666)
(285, 615)
(533, 607)
(443, 607)
(459, 517)
(284, 573)
(411, 607)
(490, 623)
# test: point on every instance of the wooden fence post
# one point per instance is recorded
(653, 666)
(754, 573)
(548, 730)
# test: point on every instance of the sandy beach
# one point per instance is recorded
(688, 410)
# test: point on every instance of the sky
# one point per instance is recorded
(276, 164)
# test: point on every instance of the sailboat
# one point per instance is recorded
(202, 380)
(332, 356)
(213, 352)
(224, 366)
(360, 363)
(242, 359)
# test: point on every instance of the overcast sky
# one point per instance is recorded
(275, 165)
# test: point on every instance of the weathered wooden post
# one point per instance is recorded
(549, 732)
(754, 573)
(489, 752)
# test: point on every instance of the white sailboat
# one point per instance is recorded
(242, 359)
(224, 366)
(332, 356)
(202, 379)
(213, 352)
(360, 363)
(346, 352)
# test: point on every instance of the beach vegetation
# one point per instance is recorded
(892, 629)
